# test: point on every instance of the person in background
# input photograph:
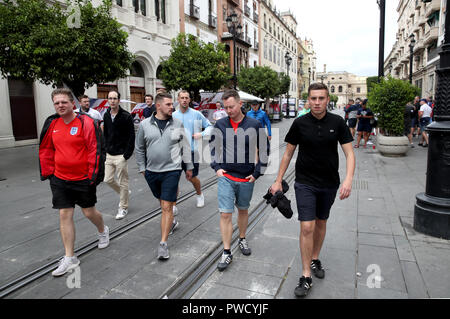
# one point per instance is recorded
(261, 116)
(306, 109)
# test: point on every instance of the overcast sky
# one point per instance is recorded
(345, 33)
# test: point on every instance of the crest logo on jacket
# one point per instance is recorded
(73, 130)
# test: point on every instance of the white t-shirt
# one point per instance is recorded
(426, 109)
(217, 115)
(93, 113)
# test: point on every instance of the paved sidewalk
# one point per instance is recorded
(369, 232)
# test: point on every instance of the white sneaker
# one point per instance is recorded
(175, 210)
(121, 213)
(66, 264)
(369, 143)
(103, 238)
(200, 200)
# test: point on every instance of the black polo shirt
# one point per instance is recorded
(318, 160)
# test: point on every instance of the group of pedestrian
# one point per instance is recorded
(73, 149)
(360, 119)
(417, 116)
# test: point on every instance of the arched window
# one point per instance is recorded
(340, 89)
(136, 70)
(332, 89)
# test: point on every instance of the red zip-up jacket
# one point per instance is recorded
(94, 141)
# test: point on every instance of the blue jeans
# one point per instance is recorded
(231, 193)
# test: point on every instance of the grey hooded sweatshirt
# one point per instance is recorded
(162, 150)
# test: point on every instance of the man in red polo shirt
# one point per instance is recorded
(70, 157)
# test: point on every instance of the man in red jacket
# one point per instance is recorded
(70, 157)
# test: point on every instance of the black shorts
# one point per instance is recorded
(68, 193)
(313, 202)
(196, 165)
(164, 185)
(352, 123)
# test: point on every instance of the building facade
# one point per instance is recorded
(423, 22)
(151, 24)
(344, 85)
(306, 65)
(278, 37)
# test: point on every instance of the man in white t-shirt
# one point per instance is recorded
(424, 120)
(84, 102)
(220, 113)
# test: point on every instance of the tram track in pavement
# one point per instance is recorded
(33, 275)
(186, 286)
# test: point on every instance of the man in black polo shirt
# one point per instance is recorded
(316, 176)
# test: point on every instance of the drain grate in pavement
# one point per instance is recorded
(360, 184)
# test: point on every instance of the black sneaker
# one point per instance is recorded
(225, 260)
(316, 268)
(304, 285)
(243, 245)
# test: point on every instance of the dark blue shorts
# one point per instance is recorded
(423, 123)
(313, 202)
(352, 123)
(362, 127)
(196, 165)
(164, 185)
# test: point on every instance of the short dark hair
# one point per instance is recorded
(231, 93)
(318, 86)
(161, 96)
(84, 96)
(184, 91)
(63, 91)
(149, 95)
(118, 94)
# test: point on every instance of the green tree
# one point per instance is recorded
(304, 95)
(285, 83)
(260, 81)
(388, 99)
(194, 65)
(371, 81)
(39, 42)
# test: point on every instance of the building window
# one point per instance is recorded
(332, 89)
(265, 49)
(265, 22)
(340, 89)
(119, 2)
(160, 10)
(274, 54)
(270, 51)
(358, 90)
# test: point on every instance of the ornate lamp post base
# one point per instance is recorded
(432, 216)
(432, 209)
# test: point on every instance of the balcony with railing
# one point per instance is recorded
(194, 11)
(247, 10)
(255, 17)
(434, 5)
(212, 21)
(431, 35)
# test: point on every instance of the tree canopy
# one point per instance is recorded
(194, 65)
(260, 81)
(39, 42)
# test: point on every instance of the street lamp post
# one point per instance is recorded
(432, 209)
(411, 54)
(309, 77)
(382, 5)
(235, 28)
(288, 60)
